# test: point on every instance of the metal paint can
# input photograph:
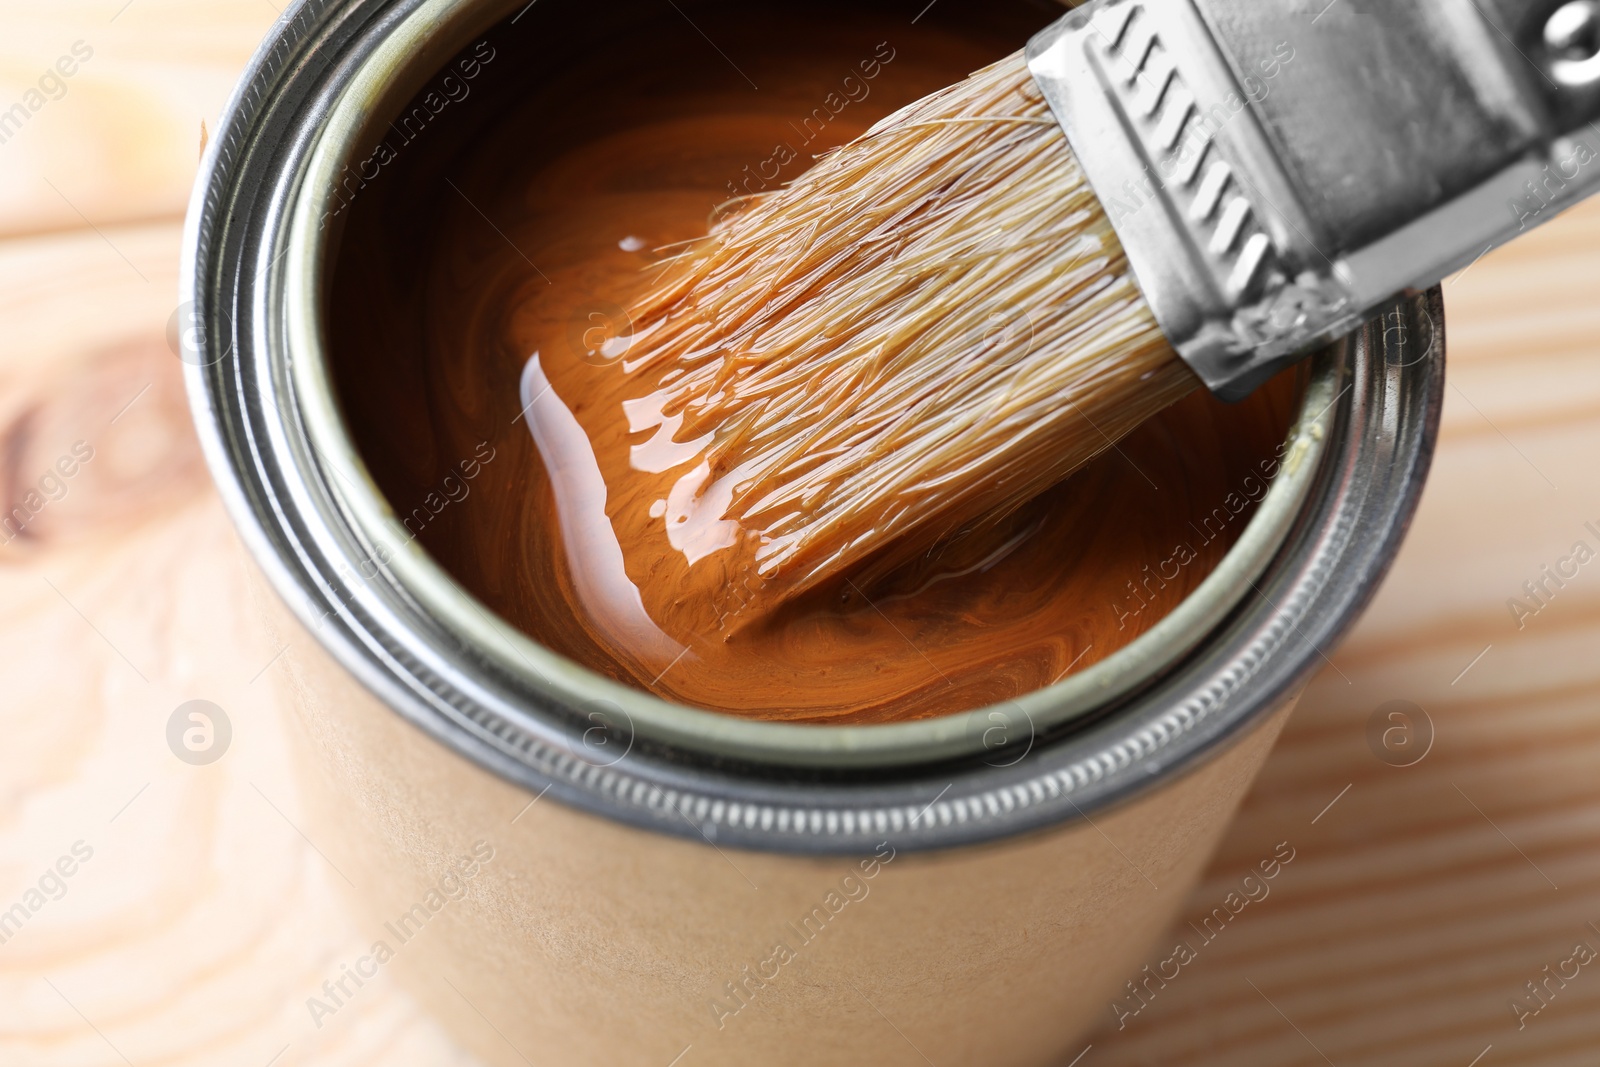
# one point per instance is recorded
(662, 881)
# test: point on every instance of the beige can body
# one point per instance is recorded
(583, 941)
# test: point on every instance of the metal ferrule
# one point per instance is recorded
(1277, 169)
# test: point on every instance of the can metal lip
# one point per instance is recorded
(292, 502)
(359, 116)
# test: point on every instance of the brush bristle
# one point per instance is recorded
(933, 324)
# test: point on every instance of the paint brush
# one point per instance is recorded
(959, 309)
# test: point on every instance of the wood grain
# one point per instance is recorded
(203, 919)
(1421, 899)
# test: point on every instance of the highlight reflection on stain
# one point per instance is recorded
(593, 553)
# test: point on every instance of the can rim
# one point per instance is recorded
(626, 710)
(1377, 430)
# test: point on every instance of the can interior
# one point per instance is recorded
(554, 32)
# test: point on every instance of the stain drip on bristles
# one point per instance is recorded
(933, 324)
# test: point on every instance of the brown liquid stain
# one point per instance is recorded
(580, 522)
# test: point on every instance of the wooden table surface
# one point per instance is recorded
(1422, 900)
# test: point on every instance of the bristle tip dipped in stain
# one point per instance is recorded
(933, 324)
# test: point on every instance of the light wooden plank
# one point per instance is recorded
(203, 919)
(1418, 904)
(119, 138)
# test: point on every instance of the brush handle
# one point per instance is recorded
(1277, 169)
